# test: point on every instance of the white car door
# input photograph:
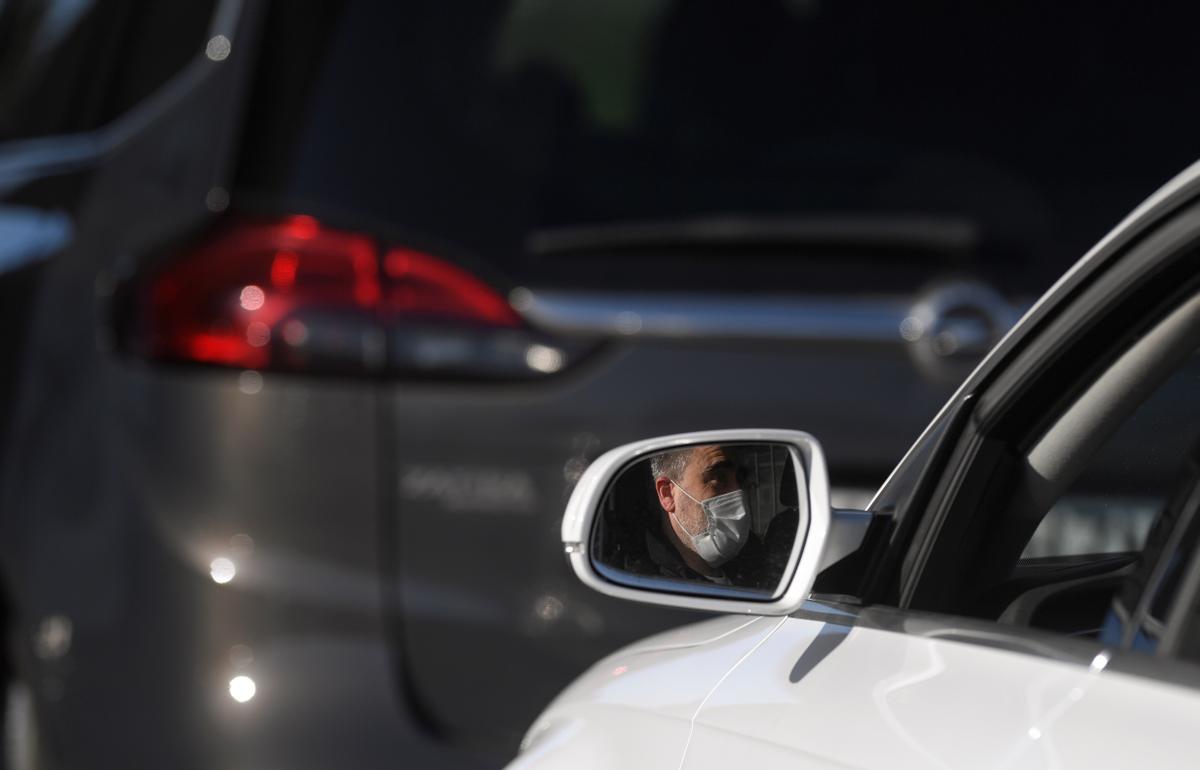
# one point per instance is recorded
(1043, 614)
(938, 692)
(822, 695)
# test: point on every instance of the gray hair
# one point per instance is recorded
(670, 463)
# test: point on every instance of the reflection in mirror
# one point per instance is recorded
(710, 518)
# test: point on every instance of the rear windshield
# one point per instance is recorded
(1002, 140)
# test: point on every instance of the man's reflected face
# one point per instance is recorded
(710, 471)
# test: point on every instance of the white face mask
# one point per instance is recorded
(727, 529)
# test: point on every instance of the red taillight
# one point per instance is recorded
(287, 292)
(418, 283)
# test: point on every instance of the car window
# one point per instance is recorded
(1111, 506)
(523, 135)
(1073, 457)
(1131, 513)
(1142, 609)
(1105, 560)
(1178, 598)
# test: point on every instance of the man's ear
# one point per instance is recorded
(666, 494)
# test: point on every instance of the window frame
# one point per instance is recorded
(994, 419)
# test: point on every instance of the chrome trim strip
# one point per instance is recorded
(726, 316)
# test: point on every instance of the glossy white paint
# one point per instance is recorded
(1125, 721)
(730, 693)
(884, 699)
(635, 707)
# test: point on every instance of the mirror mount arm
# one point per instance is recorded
(847, 533)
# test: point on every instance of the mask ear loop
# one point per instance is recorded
(707, 525)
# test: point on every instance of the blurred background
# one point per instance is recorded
(312, 315)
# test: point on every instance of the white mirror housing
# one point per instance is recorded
(803, 563)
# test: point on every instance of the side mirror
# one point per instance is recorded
(728, 521)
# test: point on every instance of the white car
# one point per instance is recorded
(1023, 591)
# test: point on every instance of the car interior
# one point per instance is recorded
(1107, 425)
(1075, 594)
(1072, 594)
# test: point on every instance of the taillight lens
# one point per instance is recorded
(293, 294)
(417, 284)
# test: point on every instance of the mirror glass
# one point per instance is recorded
(714, 519)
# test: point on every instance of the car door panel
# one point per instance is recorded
(886, 699)
(1123, 720)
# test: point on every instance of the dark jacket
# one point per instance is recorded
(759, 564)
